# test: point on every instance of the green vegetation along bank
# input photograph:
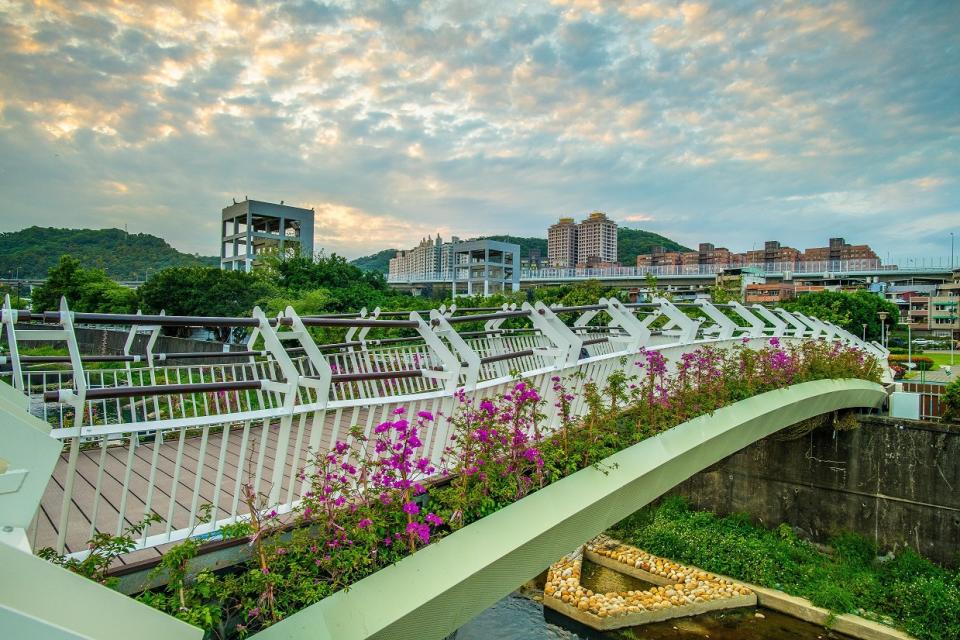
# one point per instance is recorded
(903, 590)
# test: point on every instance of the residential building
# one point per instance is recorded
(660, 257)
(837, 250)
(252, 228)
(562, 244)
(709, 254)
(591, 243)
(772, 253)
(597, 241)
(937, 310)
(425, 258)
(768, 293)
(471, 266)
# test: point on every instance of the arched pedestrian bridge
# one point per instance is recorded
(113, 438)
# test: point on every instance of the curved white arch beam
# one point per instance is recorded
(439, 588)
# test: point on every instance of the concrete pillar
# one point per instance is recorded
(248, 256)
(486, 272)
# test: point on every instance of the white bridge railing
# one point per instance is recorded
(147, 435)
(822, 268)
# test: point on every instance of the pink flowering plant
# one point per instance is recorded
(497, 447)
(373, 498)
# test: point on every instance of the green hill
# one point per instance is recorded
(122, 255)
(526, 244)
(634, 242)
(380, 261)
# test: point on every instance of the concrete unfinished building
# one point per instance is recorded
(253, 228)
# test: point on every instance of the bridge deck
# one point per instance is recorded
(114, 469)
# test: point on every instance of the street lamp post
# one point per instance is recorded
(865, 332)
(883, 326)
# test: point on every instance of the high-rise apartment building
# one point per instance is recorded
(429, 257)
(591, 243)
(597, 241)
(562, 243)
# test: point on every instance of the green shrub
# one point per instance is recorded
(950, 401)
(918, 596)
(923, 362)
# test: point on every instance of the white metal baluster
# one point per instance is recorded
(127, 472)
(152, 481)
(241, 459)
(175, 482)
(198, 480)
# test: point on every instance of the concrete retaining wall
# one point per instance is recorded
(895, 481)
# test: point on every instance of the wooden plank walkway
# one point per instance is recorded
(173, 488)
(147, 458)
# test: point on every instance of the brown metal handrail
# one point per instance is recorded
(109, 393)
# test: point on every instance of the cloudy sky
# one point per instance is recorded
(732, 122)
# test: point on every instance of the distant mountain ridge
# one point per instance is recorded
(630, 244)
(379, 261)
(124, 256)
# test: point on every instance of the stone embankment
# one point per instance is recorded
(677, 590)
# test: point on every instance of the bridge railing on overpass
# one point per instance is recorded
(777, 269)
(146, 437)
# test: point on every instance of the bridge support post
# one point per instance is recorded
(687, 327)
(637, 334)
(9, 318)
(724, 325)
(816, 329)
(779, 326)
(452, 366)
(567, 344)
(462, 355)
(799, 329)
(756, 324)
(287, 390)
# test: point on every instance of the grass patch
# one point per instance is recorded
(908, 591)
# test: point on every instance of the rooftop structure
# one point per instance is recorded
(253, 228)
(484, 266)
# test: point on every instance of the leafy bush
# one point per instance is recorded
(923, 363)
(950, 401)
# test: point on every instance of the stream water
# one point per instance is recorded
(521, 616)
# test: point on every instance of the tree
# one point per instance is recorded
(86, 290)
(850, 310)
(204, 291)
(951, 401)
(727, 291)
